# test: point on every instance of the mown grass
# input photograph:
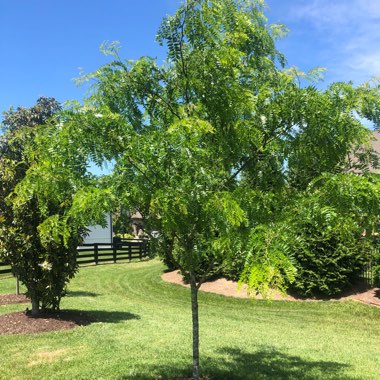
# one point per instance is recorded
(144, 332)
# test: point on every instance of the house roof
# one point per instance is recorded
(375, 142)
(136, 215)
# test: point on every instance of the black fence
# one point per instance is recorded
(4, 269)
(119, 250)
(371, 271)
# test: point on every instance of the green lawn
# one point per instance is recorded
(144, 332)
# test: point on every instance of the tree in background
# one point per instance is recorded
(43, 266)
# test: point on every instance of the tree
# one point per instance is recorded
(182, 134)
(43, 266)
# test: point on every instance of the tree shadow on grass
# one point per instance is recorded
(94, 316)
(81, 294)
(269, 363)
(110, 316)
(264, 364)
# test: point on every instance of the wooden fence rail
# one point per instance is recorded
(4, 269)
(102, 252)
(121, 250)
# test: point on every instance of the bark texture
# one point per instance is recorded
(35, 307)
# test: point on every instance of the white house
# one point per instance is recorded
(99, 234)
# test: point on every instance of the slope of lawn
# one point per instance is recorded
(144, 332)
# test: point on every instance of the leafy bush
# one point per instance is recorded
(43, 261)
(328, 250)
(327, 241)
(315, 239)
(162, 246)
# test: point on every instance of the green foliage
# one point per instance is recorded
(122, 223)
(269, 263)
(327, 240)
(263, 209)
(322, 236)
(328, 136)
(206, 146)
(43, 259)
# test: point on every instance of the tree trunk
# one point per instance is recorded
(195, 319)
(35, 307)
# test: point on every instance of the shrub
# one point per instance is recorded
(328, 249)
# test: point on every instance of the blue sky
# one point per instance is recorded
(44, 43)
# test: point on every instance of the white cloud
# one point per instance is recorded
(337, 14)
(369, 63)
(372, 7)
(349, 33)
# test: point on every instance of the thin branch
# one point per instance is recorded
(140, 170)
(210, 268)
(259, 152)
(168, 105)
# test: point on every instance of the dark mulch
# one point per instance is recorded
(22, 323)
(7, 299)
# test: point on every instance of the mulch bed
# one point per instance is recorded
(7, 299)
(363, 294)
(21, 322)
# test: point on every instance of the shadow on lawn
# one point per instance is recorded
(110, 316)
(81, 294)
(265, 364)
(87, 317)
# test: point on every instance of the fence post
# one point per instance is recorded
(147, 247)
(96, 253)
(129, 251)
(114, 245)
